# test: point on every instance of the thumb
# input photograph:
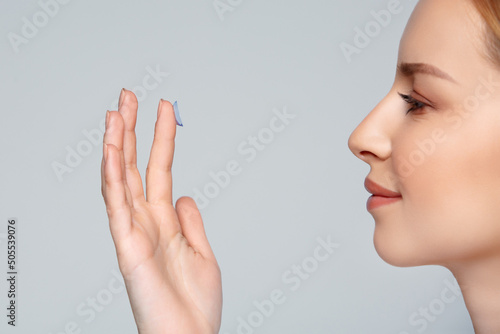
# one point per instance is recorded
(192, 226)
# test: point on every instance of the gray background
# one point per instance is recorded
(228, 74)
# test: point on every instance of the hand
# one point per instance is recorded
(172, 277)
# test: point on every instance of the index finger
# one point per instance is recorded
(159, 170)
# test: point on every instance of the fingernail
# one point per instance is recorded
(159, 109)
(107, 118)
(177, 115)
(122, 95)
(105, 152)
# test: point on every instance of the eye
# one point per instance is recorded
(414, 103)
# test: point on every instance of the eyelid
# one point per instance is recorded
(420, 98)
(417, 97)
(416, 104)
(409, 99)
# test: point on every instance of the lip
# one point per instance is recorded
(380, 195)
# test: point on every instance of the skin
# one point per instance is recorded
(170, 272)
(449, 213)
(443, 158)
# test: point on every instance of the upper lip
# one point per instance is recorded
(378, 190)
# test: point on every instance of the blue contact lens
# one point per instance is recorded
(177, 115)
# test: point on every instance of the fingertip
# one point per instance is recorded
(116, 120)
(192, 226)
(127, 98)
(167, 102)
(174, 109)
(131, 99)
(160, 106)
(163, 104)
(186, 203)
(121, 98)
(187, 210)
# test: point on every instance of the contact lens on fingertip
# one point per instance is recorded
(177, 115)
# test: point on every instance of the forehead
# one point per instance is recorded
(444, 33)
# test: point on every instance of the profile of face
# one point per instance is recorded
(435, 140)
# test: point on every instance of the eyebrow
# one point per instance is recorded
(409, 69)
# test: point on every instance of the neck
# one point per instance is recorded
(479, 281)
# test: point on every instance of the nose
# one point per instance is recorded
(371, 140)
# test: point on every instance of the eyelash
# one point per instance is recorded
(414, 103)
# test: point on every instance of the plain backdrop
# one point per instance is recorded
(232, 65)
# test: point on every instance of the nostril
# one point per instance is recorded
(365, 155)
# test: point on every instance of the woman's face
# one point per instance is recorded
(439, 144)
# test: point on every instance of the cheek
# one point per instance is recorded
(450, 187)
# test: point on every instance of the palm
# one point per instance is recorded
(171, 274)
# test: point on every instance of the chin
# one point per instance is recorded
(398, 252)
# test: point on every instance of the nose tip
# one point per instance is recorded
(350, 143)
(372, 137)
(355, 145)
(369, 145)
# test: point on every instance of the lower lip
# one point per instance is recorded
(377, 201)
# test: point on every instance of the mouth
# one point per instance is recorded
(380, 195)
